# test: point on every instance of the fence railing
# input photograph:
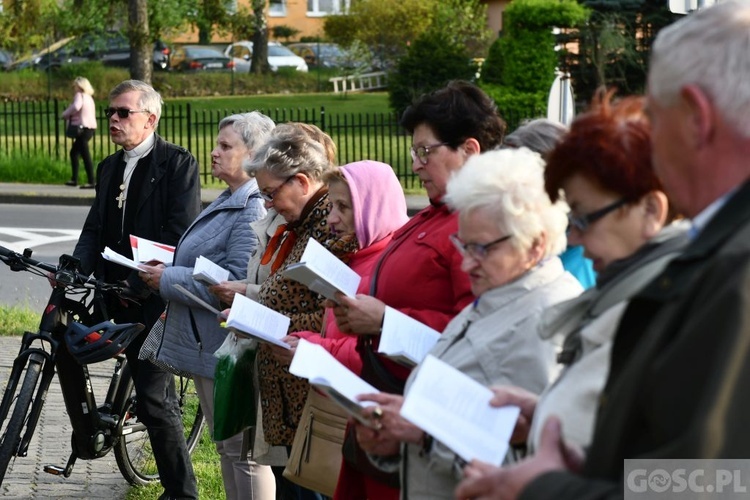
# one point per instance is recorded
(35, 127)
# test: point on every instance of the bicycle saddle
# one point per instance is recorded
(92, 344)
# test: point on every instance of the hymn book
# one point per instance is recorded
(248, 318)
(404, 339)
(323, 273)
(208, 273)
(148, 251)
(328, 375)
(455, 410)
(117, 258)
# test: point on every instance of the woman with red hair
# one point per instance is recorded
(621, 216)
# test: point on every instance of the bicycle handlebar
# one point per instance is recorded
(65, 273)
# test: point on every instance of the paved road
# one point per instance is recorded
(26, 479)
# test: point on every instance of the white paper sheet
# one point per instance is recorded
(404, 339)
(208, 273)
(313, 362)
(117, 258)
(323, 272)
(146, 250)
(190, 295)
(455, 410)
(252, 319)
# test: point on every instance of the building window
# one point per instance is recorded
(325, 7)
(277, 8)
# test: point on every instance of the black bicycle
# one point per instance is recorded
(64, 345)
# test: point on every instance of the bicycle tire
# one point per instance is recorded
(11, 437)
(193, 421)
(133, 452)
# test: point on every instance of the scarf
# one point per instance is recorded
(283, 240)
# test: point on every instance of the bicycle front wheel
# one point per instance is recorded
(133, 452)
(11, 437)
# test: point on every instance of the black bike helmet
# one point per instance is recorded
(92, 344)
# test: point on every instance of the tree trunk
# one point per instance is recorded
(259, 64)
(141, 48)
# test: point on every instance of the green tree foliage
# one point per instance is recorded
(29, 25)
(521, 64)
(429, 64)
(241, 24)
(285, 32)
(207, 16)
(389, 26)
(615, 44)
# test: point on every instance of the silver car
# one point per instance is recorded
(278, 57)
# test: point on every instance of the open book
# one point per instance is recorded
(404, 339)
(117, 258)
(146, 250)
(248, 318)
(197, 300)
(442, 399)
(208, 273)
(323, 272)
(328, 375)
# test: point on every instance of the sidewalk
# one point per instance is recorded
(43, 194)
(91, 479)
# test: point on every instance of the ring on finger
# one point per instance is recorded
(377, 413)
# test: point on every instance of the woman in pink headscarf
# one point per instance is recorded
(367, 206)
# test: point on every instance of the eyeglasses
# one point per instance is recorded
(478, 251)
(122, 112)
(422, 152)
(582, 222)
(270, 196)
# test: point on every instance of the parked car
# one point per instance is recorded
(326, 55)
(278, 56)
(200, 58)
(6, 60)
(111, 48)
(117, 53)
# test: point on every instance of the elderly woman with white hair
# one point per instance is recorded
(509, 233)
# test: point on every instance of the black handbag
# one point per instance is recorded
(73, 131)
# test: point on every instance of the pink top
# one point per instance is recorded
(82, 111)
(379, 208)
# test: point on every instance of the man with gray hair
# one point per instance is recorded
(150, 188)
(680, 368)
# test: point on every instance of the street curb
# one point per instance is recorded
(414, 203)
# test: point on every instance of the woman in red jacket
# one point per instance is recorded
(419, 272)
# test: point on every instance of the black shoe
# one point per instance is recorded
(86, 186)
(71, 183)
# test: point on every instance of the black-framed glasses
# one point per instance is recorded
(122, 112)
(270, 196)
(422, 152)
(582, 222)
(478, 251)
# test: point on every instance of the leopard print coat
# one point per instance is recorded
(282, 395)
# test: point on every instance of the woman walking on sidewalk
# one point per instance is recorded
(82, 114)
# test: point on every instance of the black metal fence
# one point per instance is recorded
(31, 128)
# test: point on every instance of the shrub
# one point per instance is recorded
(516, 106)
(429, 64)
(39, 85)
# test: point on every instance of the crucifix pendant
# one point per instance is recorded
(120, 199)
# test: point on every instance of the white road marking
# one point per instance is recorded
(35, 237)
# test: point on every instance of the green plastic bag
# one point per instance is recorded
(234, 389)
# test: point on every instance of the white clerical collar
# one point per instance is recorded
(131, 161)
(141, 149)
